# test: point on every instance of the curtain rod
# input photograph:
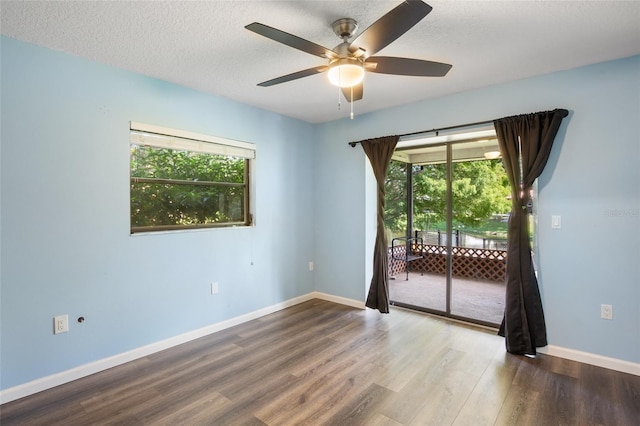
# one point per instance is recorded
(459, 126)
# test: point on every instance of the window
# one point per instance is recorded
(183, 180)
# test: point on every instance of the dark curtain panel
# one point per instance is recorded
(379, 152)
(525, 143)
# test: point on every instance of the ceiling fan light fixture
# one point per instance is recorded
(346, 72)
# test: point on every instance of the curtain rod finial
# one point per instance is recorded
(353, 144)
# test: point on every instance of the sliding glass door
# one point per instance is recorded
(479, 202)
(457, 198)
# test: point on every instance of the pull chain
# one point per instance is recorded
(351, 102)
(351, 116)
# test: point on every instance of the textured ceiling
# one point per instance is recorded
(203, 44)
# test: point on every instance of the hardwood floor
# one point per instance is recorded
(323, 363)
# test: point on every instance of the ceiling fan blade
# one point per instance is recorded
(357, 92)
(290, 40)
(391, 26)
(406, 66)
(294, 76)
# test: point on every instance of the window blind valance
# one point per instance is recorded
(162, 137)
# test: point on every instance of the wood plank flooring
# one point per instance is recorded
(320, 363)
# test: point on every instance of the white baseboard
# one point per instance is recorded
(340, 300)
(592, 359)
(48, 382)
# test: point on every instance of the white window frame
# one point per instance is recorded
(164, 137)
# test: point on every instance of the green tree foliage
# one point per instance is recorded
(170, 187)
(395, 212)
(480, 189)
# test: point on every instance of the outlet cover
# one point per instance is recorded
(606, 312)
(310, 266)
(214, 288)
(60, 324)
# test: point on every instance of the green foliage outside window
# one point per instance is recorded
(173, 189)
(480, 191)
(395, 212)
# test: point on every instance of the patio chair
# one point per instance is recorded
(408, 256)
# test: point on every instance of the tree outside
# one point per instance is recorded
(480, 191)
(171, 187)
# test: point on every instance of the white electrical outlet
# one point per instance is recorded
(606, 312)
(556, 221)
(60, 324)
(214, 288)
(310, 266)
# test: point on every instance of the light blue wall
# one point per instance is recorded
(66, 247)
(592, 180)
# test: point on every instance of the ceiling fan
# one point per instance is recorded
(348, 61)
